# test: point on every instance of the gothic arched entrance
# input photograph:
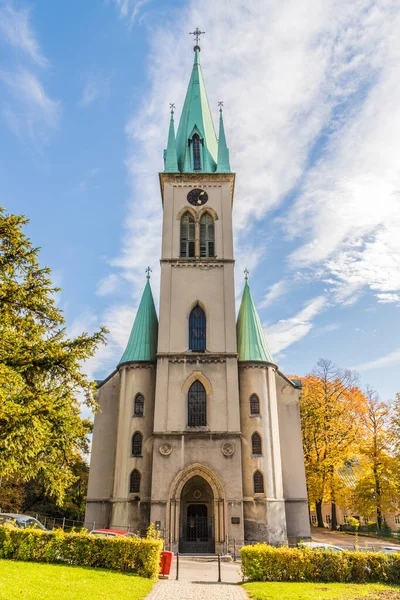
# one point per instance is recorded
(197, 527)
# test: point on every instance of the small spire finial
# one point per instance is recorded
(148, 271)
(172, 106)
(197, 33)
(220, 104)
(246, 274)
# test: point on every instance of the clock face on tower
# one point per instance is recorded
(197, 197)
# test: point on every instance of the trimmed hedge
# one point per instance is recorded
(139, 556)
(266, 563)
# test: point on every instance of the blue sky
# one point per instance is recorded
(312, 116)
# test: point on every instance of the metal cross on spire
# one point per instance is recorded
(220, 104)
(148, 271)
(172, 106)
(197, 33)
(246, 273)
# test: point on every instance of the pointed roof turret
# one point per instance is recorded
(223, 165)
(170, 157)
(251, 341)
(142, 343)
(196, 119)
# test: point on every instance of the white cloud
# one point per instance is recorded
(393, 358)
(33, 113)
(15, 28)
(387, 298)
(119, 320)
(29, 111)
(275, 291)
(325, 329)
(130, 9)
(288, 331)
(95, 87)
(108, 285)
(349, 204)
(298, 80)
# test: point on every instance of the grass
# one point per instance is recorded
(321, 591)
(36, 581)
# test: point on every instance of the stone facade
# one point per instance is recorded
(219, 454)
(240, 474)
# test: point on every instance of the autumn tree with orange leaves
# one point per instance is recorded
(331, 409)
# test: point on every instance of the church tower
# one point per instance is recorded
(199, 431)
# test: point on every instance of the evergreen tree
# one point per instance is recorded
(41, 377)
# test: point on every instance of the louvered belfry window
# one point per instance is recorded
(197, 402)
(256, 447)
(196, 153)
(197, 329)
(134, 482)
(138, 409)
(137, 439)
(188, 236)
(258, 482)
(254, 404)
(207, 242)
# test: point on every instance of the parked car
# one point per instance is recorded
(390, 549)
(320, 546)
(21, 521)
(111, 532)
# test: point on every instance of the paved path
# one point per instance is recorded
(190, 590)
(198, 581)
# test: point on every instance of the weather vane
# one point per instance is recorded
(148, 271)
(246, 273)
(197, 33)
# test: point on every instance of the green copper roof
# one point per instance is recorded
(250, 334)
(142, 344)
(196, 118)
(223, 165)
(171, 161)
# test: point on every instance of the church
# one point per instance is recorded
(198, 431)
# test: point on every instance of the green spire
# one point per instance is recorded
(196, 119)
(250, 335)
(142, 344)
(170, 158)
(223, 165)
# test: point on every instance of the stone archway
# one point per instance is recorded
(196, 526)
(184, 489)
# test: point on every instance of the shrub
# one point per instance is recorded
(139, 556)
(266, 563)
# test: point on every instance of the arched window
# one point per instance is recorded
(197, 329)
(188, 236)
(197, 402)
(258, 480)
(254, 404)
(256, 447)
(134, 482)
(207, 242)
(137, 439)
(138, 408)
(196, 153)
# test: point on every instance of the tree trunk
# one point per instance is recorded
(379, 519)
(333, 517)
(378, 498)
(318, 508)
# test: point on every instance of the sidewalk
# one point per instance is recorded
(198, 580)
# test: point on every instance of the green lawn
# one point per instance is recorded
(321, 591)
(36, 581)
